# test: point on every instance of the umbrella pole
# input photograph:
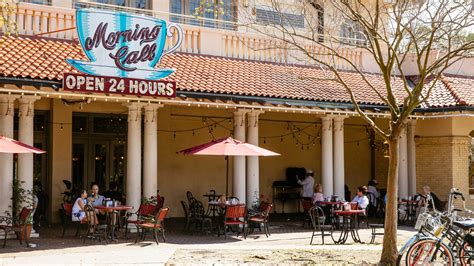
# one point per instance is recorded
(227, 176)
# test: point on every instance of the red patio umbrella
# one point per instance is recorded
(228, 147)
(8, 145)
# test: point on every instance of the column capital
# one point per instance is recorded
(339, 118)
(152, 106)
(26, 105)
(240, 112)
(150, 112)
(255, 112)
(411, 122)
(133, 106)
(8, 97)
(326, 124)
(28, 99)
(7, 104)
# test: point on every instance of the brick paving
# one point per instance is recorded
(289, 242)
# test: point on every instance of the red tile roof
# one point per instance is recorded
(39, 58)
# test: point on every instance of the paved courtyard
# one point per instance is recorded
(289, 243)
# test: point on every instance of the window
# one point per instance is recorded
(141, 4)
(218, 13)
(40, 2)
(353, 33)
(320, 14)
(266, 16)
(176, 7)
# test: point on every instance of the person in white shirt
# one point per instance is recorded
(361, 198)
(308, 185)
(318, 194)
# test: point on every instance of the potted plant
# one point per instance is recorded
(21, 198)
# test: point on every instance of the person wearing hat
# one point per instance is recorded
(308, 185)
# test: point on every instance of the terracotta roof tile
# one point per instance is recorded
(45, 59)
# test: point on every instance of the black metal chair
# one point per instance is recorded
(198, 216)
(318, 220)
(66, 218)
(186, 216)
(19, 228)
(190, 198)
(94, 230)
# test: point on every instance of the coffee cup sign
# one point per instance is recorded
(119, 44)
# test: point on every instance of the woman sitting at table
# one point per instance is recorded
(78, 213)
(318, 195)
(361, 198)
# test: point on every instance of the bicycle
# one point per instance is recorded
(454, 230)
(426, 224)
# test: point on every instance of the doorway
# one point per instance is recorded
(99, 152)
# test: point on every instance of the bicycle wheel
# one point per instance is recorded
(466, 255)
(426, 251)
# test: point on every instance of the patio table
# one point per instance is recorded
(349, 225)
(332, 206)
(111, 221)
(212, 209)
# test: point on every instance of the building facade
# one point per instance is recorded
(224, 88)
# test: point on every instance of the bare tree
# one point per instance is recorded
(431, 34)
(7, 18)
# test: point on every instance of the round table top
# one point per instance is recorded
(329, 202)
(348, 212)
(114, 208)
(224, 204)
(212, 195)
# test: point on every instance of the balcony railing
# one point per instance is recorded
(55, 22)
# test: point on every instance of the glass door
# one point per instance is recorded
(117, 164)
(100, 164)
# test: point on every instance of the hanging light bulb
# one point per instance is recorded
(193, 132)
(61, 128)
(174, 134)
(264, 140)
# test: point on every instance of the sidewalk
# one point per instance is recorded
(289, 242)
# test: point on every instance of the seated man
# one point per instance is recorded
(96, 198)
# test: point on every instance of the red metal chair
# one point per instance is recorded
(235, 216)
(157, 224)
(261, 218)
(144, 211)
(6, 225)
(307, 205)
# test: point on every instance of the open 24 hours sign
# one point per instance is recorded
(116, 85)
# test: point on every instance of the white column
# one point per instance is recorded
(403, 166)
(134, 145)
(6, 159)
(238, 180)
(25, 134)
(253, 179)
(326, 156)
(411, 157)
(150, 152)
(338, 138)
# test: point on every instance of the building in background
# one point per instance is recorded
(224, 87)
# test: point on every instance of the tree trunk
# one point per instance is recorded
(389, 250)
